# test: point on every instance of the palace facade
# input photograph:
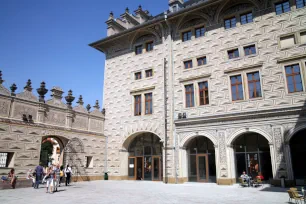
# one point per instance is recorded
(207, 90)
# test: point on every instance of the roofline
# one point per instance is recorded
(161, 18)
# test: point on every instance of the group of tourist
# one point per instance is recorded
(249, 179)
(53, 177)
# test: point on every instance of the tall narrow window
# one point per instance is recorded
(149, 106)
(3, 159)
(188, 64)
(254, 85)
(203, 93)
(199, 32)
(137, 104)
(230, 23)
(233, 53)
(300, 3)
(137, 75)
(249, 50)
(246, 18)
(189, 93)
(138, 49)
(149, 73)
(149, 46)
(236, 86)
(294, 79)
(186, 36)
(282, 7)
(201, 61)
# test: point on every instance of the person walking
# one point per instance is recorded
(57, 177)
(50, 180)
(30, 176)
(61, 176)
(39, 172)
(68, 174)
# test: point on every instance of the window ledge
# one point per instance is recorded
(296, 57)
(243, 68)
(197, 67)
(142, 89)
(194, 77)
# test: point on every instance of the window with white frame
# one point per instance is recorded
(254, 85)
(203, 93)
(249, 50)
(189, 95)
(237, 87)
(232, 54)
(287, 41)
(6, 159)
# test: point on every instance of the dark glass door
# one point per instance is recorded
(202, 168)
(156, 169)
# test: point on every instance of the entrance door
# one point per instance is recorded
(132, 168)
(202, 168)
(156, 169)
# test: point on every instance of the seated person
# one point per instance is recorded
(260, 176)
(245, 177)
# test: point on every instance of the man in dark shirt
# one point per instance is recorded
(39, 171)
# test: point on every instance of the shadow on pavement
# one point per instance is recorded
(275, 189)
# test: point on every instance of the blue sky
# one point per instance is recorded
(47, 40)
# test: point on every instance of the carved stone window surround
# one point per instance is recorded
(241, 52)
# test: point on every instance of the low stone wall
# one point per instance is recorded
(23, 183)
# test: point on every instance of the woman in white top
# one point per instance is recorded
(68, 173)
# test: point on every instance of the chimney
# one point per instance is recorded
(175, 5)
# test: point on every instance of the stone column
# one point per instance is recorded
(287, 152)
(69, 116)
(183, 165)
(124, 164)
(41, 113)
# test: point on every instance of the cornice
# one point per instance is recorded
(142, 89)
(243, 67)
(194, 77)
(301, 110)
(49, 127)
(295, 57)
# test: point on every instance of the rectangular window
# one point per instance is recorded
(233, 53)
(294, 79)
(149, 73)
(89, 162)
(138, 50)
(303, 37)
(189, 93)
(199, 32)
(230, 23)
(287, 41)
(282, 7)
(186, 36)
(246, 18)
(149, 46)
(254, 85)
(203, 93)
(149, 105)
(188, 64)
(137, 75)
(137, 102)
(201, 61)
(236, 87)
(6, 159)
(249, 50)
(300, 3)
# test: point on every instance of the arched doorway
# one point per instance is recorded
(252, 153)
(52, 150)
(201, 160)
(298, 155)
(145, 158)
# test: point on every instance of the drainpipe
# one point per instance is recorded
(172, 94)
(165, 121)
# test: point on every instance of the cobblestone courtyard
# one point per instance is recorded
(145, 192)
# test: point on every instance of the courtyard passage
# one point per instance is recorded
(136, 192)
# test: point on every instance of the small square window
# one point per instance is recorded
(300, 3)
(188, 64)
(249, 50)
(230, 23)
(89, 162)
(282, 7)
(199, 32)
(138, 50)
(137, 75)
(186, 36)
(149, 46)
(149, 73)
(232, 54)
(201, 61)
(287, 41)
(246, 18)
